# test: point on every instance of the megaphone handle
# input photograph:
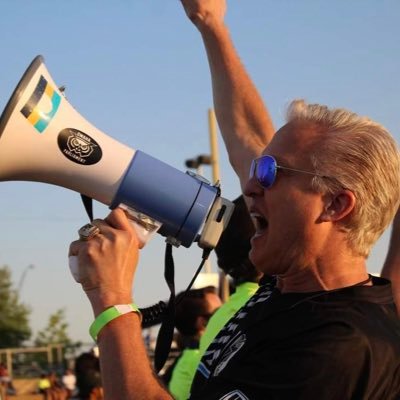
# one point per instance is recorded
(143, 235)
(88, 204)
(145, 226)
(141, 232)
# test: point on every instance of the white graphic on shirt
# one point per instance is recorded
(216, 354)
(235, 395)
(230, 339)
(230, 352)
(241, 315)
(232, 327)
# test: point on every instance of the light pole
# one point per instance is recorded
(213, 160)
(212, 126)
(197, 164)
(23, 276)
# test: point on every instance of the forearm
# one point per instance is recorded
(106, 268)
(243, 119)
(125, 368)
(391, 267)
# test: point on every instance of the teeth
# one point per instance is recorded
(255, 215)
(260, 222)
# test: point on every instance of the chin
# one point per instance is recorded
(258, 261)
(269, 263)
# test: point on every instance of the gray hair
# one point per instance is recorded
(361, 156)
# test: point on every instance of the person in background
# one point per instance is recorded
(88, 377)
(232, 253)
(57, 390)
(44, 386)
(6, 384)
(69, 382)
(193, 311)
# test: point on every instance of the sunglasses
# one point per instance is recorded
(265, 168)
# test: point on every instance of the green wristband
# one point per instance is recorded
(108, 315)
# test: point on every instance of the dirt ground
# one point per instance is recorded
(25, 388)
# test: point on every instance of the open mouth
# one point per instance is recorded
(260, 223)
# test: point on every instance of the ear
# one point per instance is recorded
(201, 323)
(338, 206)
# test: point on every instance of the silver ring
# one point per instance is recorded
(88, 231)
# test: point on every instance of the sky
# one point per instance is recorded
(137, 70)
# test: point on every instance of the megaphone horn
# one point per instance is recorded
(44, 139)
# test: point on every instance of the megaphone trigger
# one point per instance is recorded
(216, 222)
(145, 226)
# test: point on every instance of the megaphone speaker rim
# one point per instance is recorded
(22, 84)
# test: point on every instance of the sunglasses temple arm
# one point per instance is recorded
(299, 170)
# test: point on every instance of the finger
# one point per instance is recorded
(74, 248)
(104, 227)
(119, 220)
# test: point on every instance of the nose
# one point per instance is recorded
(253, 188)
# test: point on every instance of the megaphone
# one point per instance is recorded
(44, 139)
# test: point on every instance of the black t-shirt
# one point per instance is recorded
(341, 344)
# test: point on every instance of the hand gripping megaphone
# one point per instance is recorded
(44, 139)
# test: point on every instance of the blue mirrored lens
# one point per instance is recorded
(265, 171)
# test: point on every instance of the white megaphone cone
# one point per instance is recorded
(44, 139)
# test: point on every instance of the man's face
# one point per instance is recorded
(213, 302)
(288, 236)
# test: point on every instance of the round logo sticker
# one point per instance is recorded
(79, 147)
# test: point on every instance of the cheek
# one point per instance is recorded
(294, 224)
(304, 208)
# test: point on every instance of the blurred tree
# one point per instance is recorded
(56, 331)
(14, 315)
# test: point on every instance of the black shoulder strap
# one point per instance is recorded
(88, 204)
(166, 333)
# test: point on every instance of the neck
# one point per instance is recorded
(325, 275)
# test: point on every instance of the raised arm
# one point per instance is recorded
(391, 267)
(243, 119)
(106, 267)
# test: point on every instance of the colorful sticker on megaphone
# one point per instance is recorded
(36, 110)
